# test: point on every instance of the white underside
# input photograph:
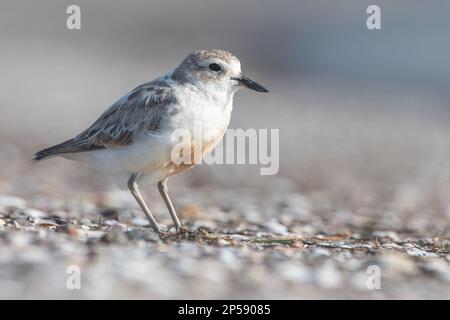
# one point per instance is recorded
(149, 154)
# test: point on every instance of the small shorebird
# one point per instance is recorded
(134, 135)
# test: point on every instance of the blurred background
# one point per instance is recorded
(363, 115)
(364, 142)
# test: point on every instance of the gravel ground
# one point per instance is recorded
(364, 147)
(230, 251)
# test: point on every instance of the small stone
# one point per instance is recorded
(142, 234)
(140, 222)
(115, 223)
(297, 244)
(386, 234)
(303, 229)
(328, 276)
(34, 213)
(46, 223)
(22, 223)
(397, 263)
(238, 237)
(21, 240)
(227, 256)
(71, 230)
(222, 242)
(115, 235)
(298, 205)
(275, 227)
(416, 252)
(190, 211)
(391, 246)
(92, 234)
(320, 252)
(294, 272)
(440, 267)
(253, 216)
(12, 202)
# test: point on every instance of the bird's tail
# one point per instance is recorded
(51, 151)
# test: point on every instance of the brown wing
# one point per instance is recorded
(140, 111)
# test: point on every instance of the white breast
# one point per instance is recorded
(205, 110)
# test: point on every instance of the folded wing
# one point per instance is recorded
(142, 110)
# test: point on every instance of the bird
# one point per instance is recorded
(134, 136)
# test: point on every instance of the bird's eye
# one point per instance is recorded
(215, 67)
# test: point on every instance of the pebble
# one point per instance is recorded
(114, 223)
(143, 234)
(12, 202)
(220, 262)
(46, 222)
(275, 227)
(191, 211)
(238, 237)
(222, 242)
(91, 234)
(440, 267)
(227, 256)
(253, 216)
(140, 222)
(386, 234)
(298, 205)
(319, 252)
(394, 263)
(391, 246)
(115, 235)
(416, 252)
(328, 276)
(294, 272)
(34, 213)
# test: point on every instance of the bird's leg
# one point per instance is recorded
(162, 187)
(134, 189)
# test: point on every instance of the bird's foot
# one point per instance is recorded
(160, 229)
(172, 232)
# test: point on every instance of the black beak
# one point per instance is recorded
(250, 84)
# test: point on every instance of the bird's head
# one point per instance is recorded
(217, 68)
